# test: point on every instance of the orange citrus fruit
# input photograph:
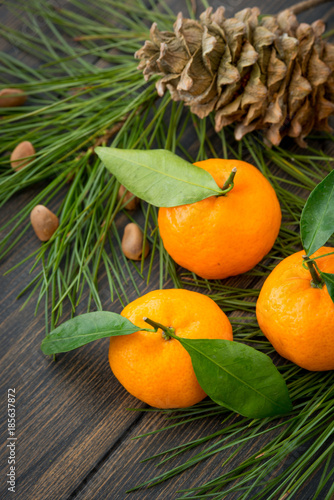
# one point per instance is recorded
(159, 371)
(226, 235)
(296, 317)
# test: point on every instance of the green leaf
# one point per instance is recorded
(238, 377)
(159, 176)
(85, 328)
(329, 280)
(317, 219)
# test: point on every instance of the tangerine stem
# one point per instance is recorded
(229, 183)
(316, 279)
(168, 332)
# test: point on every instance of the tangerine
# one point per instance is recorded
(157, 370)
(296, 317)
(226, 235)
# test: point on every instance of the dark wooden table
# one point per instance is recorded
(74, 429)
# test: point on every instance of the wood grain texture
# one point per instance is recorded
(73, 425)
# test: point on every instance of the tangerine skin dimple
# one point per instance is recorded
(224, 236)
(297, 318)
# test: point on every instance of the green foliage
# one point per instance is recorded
(159, 177)
(89, 93)
(86, 328)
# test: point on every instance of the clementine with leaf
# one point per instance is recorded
(228, 234)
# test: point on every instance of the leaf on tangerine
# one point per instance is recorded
(159, 176)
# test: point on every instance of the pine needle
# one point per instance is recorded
(87, 92)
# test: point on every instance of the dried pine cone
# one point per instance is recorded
(270, 73)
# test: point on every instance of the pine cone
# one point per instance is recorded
(268, 73)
